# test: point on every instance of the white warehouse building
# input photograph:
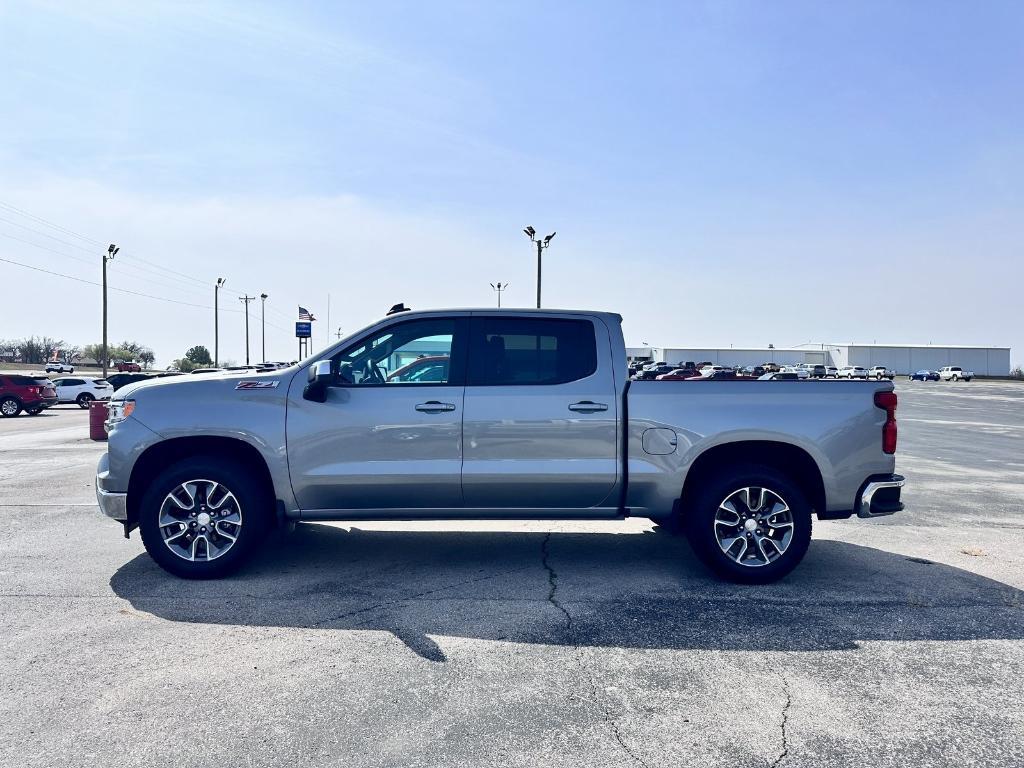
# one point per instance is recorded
(901, 358)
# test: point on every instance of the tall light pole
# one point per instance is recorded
(245, 300)
(216, 322)
(338, 334)
(499, 287)
(541, 245)
(263, 322)
(108, 256)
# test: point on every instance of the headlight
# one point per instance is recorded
(119, 410)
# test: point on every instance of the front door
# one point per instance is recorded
(389, 436)
(540, 425)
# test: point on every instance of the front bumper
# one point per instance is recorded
(113, 505)
(881, 496)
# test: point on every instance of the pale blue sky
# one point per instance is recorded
(721, 172)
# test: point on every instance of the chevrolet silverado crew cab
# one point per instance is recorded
(531, 416)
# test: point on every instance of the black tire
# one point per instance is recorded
(10, 406)
(253, 499)
(34, 411)
(84, 399)
(701, 511)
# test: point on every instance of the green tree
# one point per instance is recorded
(199, 356)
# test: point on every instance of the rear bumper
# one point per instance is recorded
(880, 496)
(42, 402)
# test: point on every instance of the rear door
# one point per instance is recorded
(68, 389)
(540, 422)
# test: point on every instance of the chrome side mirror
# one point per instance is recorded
(320, 377)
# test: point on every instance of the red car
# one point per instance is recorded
(721, 376)
(128, 366)
(29, 393)
(679, 374)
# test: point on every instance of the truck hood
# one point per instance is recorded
(202, 383)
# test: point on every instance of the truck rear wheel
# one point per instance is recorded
(203, 517)
(749, 524)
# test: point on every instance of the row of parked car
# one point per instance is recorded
(689, 371)
(32, 393)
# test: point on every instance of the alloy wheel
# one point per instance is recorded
(753, 526)
(200, 520)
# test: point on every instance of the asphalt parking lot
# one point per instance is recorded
(898, 641)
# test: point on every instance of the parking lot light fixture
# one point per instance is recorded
(216, 324)
(499, 287)
(541, 243)
(108, 256)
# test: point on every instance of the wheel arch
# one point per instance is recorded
(161, 455)
(792, 460)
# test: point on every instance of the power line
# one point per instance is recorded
(166, 273)
(41, 220)
(91, 261)
(125, 290)
(47, 234)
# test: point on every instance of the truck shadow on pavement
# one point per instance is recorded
(628, 590)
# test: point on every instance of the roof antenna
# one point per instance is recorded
(399, 307)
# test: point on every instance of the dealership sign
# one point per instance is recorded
(303, 330)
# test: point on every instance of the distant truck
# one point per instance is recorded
(955, 373)
(879, 372)
(532, 418)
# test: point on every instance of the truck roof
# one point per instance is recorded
(613, 316)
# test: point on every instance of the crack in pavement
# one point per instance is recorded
(570, 630)
(785, 722)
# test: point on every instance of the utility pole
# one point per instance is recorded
(499, 287)
(216, 329)
(263, 322)
(245, 300)
(541, 245)
(108, 256)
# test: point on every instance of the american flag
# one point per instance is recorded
(306, 315)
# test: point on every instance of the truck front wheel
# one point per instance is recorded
(750, 524)
(203, 517)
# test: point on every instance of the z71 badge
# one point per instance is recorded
(256, 385)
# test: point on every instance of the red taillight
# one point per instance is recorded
(887, 402)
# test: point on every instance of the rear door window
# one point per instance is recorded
(522, 350)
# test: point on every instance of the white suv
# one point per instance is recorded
(955, 373)
(852, 372)
(82, 391)
(53, 367)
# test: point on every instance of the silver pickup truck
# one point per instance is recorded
(494, 414)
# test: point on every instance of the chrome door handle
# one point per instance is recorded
(588, 406)
(435, 406)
